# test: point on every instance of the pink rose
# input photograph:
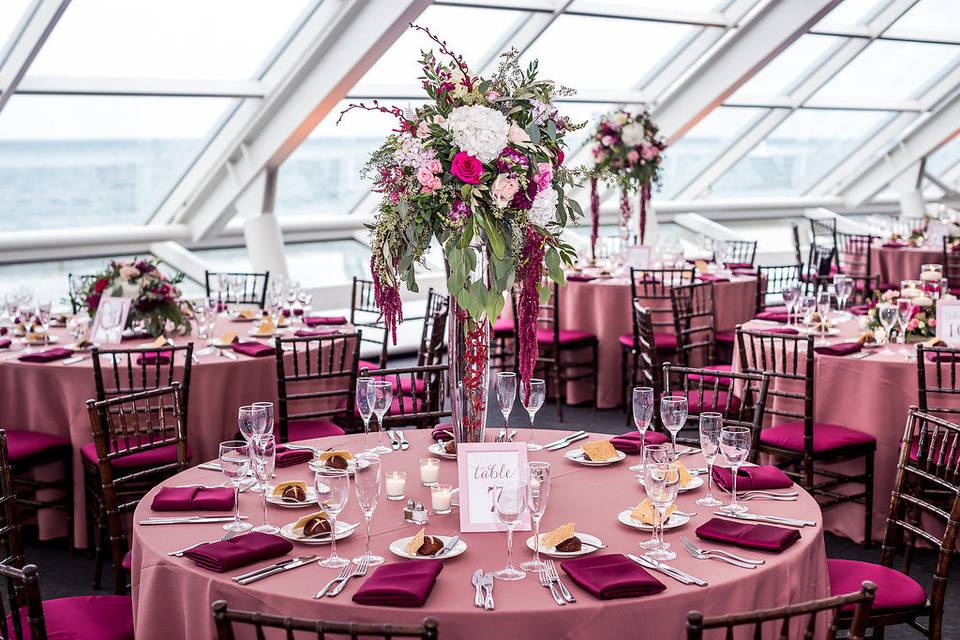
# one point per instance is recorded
(913, 324)
(434, 166)
(601, 156)
(423, 129)
(544, 176)
(424, 176)
(649, 152)
(466, 167)
(431, 185)
(515, 134)
(932, 322)
(503, 190)
(606, 141)
(632, 157)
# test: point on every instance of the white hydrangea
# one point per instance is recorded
(478, 130)
(544, 208)
(632, 134)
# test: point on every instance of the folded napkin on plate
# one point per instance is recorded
(57, 353)
(752, 478)
(234, 553)
(859, 309)
(744, 272)
(580, 277)
(154, 357)
(710, 277)
(738, 265)
(630, 442)
(308, 333)
(291, 457)
(749, 536)
(442, 432)
(774, 316)
(839, 349)
(611, 576)
(253, 349)
(401, 584)
(787, 331)
(193, 499)
(894, 244)
(4, 343)
(312, 321)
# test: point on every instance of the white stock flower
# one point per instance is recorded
(544, 208)
(478, 130)
(632, 134)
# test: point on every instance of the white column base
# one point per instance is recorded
(265, 244)
(912, 204)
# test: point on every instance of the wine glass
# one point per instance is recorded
(887, 314)
(904, 314)
(790, 295)
(382, 396)
(252, 422)
(200, 317)
(662, 483)
(823, 310)
(538, 492)
(735, 447)
(333, 490)
(263, 449)
(364, 401)
(43, 317)
(843, 285)
(654, 454)
(673, 415)
(710, 425)
(642, 415)
(510, 504)
(366, 481)
(234, 464)
(532, 400)
(808, 304)
(506, 395)
(267, 408)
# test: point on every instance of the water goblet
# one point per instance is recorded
(538, 493)
(506, 395)
(653, 454)
(366, 481)
(642, 415)
(790, 297)
(263, 450)
(532, 400)
(843, 285)
(234, 464)
(662, 483)
(806, 306)
(734, 447)
(887, 314)
(200, 318)
(510, 505)
(673, 415)
(382, 396)
(710, 425)
(364, 401)
(904, 314)
(252, 422)
(823, 310)
(333, 491)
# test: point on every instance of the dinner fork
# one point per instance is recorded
(553, 575)
(179, 552)
(548, 583)
(342, 576)
(699, 554)
(394, 441)
(692, 544)
(404, 445)
(361, 570)
(769, 496)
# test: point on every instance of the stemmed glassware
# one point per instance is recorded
(710, 425)
(252, 421)
(654, 454)
(735, 447)
(538, 493)
(807, 305)
(234, 464)
(43, 317)
(506, 395)
(364, 400)
(904, 313)
(673, 415)
(382, 396)
(662, 483)
(263, 450)
(532, 402)
(843, 285)
(823, 310)
(366, 481)
(642, 415)
(791, 295)
(333, 491)
(510, 504)
(887, 314)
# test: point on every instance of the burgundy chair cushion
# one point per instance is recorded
(369, 366)
(895, 590)
(503, 327)
(85, 618)
(664, 342)
(567, 337)
(712, 379)
(307, 429)
(23, 444)
(711, 401)
(826, 437)
(725, 337)
(407, 385)
(149, 458)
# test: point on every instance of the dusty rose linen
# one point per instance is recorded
(896, 264)
(234, 553)
(254, 349)
(839, 349)
(759, 477)
(48, 355)
(312, 321)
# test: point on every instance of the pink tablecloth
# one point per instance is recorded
(51, 398)
(895, 265)
(172, 596)
(603, 308)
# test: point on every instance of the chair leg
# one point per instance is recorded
(560, 392)
(99, 552)
(596, 377)
(868, 500)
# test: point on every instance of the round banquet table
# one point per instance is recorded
(603, 307)
(50, 398)
(172, 596)
(896, 264)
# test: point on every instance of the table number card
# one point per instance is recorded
(110, 319)
(935, 233)
(481, 466)
(638, 255)
(948, 321)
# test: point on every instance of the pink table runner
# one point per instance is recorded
(895, 265)
(172, 596)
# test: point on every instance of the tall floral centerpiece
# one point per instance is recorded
(155, 299)
(479, 169)
(628, 149)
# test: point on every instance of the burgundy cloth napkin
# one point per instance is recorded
(859, 309)
(227, 555)
(57, 353)
(752, 478)
(291, 457)
(630, 442)
(4, 343)
(611, 576)
(839, 349)
(580, 277)
(894, 245)
(749, 536)
(253, 349)
(787, 331)
(709, 277)
(774, 316)
(154, 357)
(312, 321)
(440, 433)
(400, 584)
(738, 265)
(744, 272)
(313, 333)
(193, 499)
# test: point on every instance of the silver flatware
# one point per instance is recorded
(488, 590)
(755, 517)
(701, 555)
(179, 552)
(502, 436)
(361, 570)
(776, 494)
(344, 570)
(511, 435)
(188, 520)
(302, 447)
(647, 564)
(722, 552)
(210, 466)
(553, 575)
(593, 546)
(74, 360)
(767, 496)
(404, 444)
(562, 440)
(394, 441)
(447, 547)
(259, 570)
(566, 443)
(477, 580)
(299, 562)
(228, 354)
(688, 514)
(546, 582)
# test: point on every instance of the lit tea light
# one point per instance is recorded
(441, 497)
(396, 482)
(931, 272)
(429, 470)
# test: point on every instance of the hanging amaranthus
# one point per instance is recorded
(644, 201)
(388, 300)
(595, 217)
(625, 213)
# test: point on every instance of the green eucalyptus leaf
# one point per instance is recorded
(534, 132)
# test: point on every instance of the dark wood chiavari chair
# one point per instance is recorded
(929, 464)
(421, 408)
(938, 376)
(225, 619)
(252, 287)
(652, 288)
(694, 324)
(860, 601)
(951, 264)
(503, 344)
(823, 231)
(640, 367)
(320, 380)
(76, 285)
(740, 252)
(365, 313)
(820, 262)
(133, 435)
(854, 253)
(802, 445)
(797, 249)
(434, 327)
(863, 287)
(771, 281)
(740, 397)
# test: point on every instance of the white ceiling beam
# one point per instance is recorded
(593, 8)
(400, 92)
(39, 239)
(27, 44)
(141, 87)
(181, 259)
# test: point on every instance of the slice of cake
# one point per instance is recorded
(645, 511)
(294, 491)
(599, 451)
(562, 539)
(247, 314)
(229, 337)
(266, 327)
(313, 524)
(416, 541)
(685, 476)
(336, 459)
(424, 545)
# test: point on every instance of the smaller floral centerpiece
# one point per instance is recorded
(628, 151)
(923, 315)
(155, 298)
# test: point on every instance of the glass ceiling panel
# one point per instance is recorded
(890, 70)
(472, 33)
(637, 6)
(173, 39)
(11, 13)
(783, 73)
(69, 161)
(929, 18)
(798, 153)
(944, 158)
(852, 13)
(620, 68)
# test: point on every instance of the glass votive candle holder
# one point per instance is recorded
(396, 482)
(441, 497)
(429, 471)
(931, 272)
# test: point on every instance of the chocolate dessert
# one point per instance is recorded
(430, 546)
(316, 526)
(570, 545)
(450, 446)
(293, 493)
(337, 462)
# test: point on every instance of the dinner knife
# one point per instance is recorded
(563, 439)
(488, 589)
(643, 562)
(190, 520)
(684, 576)
(298, 562)
(788, 522)
(268, 567)
(448, 547)
(477, 581)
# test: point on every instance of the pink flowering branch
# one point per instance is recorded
(442, 44)
(396, 112)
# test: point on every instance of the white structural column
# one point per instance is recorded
(261, 231)
(908, 187)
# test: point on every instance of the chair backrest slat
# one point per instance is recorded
(771, 281)
(740, 252)
(238, 287)
(419, 395)
(365, 313)
(694, 321)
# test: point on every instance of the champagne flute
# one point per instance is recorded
(252, 422)
(366, 481)
(642, 415)
(538, 492)
(654, 454)
(532, 400)
(735, 447)
(823, 310)
(234, 464)
(808, 305)
(662, 482)
(267, 408)
(364, 401)
(264, 453)
(43, 317)
(904, 314)
(710, 425)
(887, 314)
(790, 296)
(333, 490)
(510, 503)
(506, 395)
(382, 396)
(843, 285)
(673, 414)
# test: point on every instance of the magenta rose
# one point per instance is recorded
(467, 168)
